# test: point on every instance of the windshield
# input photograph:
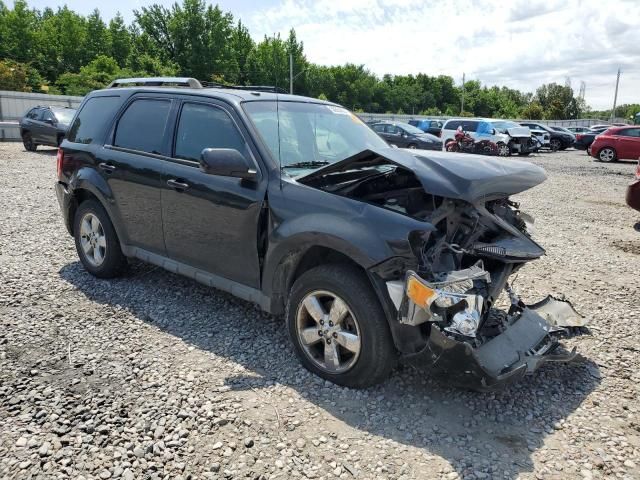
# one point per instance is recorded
(64, 115)
(410, 128)
(307, 136)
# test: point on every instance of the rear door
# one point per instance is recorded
(211, 222)
(628, 143)
(49, 128)
(36, 126)
(132, 164)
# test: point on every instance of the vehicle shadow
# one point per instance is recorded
(473, 432)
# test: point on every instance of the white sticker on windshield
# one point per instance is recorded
(339, 110)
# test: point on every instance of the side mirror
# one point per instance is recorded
(226, 162)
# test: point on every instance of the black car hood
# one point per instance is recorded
(472, 178)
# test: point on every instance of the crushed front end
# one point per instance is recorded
(452, 298)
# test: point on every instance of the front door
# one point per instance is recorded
(211, 222)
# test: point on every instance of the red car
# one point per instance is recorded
(633, 191)
(617, 143)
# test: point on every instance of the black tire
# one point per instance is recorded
(555, 144)
(27, 141)
(114, 262)
(412, 146)
(377, 355)
(524, 154)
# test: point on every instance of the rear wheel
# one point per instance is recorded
(412, 146)
(338, 328)
(97, 243)
(27, 141)
(607, 154)
(555, 144)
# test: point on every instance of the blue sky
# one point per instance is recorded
(518, 43)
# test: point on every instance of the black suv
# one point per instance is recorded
(557, 140)
(45, 126)
(373, 254)
(404, 135)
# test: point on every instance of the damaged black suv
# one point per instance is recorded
(373, 254)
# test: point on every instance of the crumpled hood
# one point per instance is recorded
(519, 131)
(472, 178)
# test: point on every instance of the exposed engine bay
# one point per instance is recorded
(463, 263)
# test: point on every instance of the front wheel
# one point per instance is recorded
(504, 150)
(97, 242)
(607, 155)
(452, 147)
(338, 328)
(555, 145)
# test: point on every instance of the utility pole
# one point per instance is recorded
(291, 73)
(462, 100)
(615, 98)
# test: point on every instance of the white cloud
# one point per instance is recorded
(518, 44)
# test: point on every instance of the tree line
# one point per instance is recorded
(62, 52)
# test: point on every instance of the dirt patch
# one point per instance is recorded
(627, 246)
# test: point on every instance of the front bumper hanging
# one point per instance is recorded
(527, 342)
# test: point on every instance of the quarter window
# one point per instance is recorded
(630, 132)
(204, 126)
(141, 126)
(92, 119)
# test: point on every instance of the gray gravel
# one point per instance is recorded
(155, 376)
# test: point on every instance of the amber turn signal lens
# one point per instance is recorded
(420, 294)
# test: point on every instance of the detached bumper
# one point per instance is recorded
(520, 350)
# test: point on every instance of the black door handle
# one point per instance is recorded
(106, 167)
(178, 185)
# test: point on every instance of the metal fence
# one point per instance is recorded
(14, 104)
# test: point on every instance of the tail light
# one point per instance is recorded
(59, 162)
(578, 136)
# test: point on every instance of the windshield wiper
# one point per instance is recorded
(312, 164)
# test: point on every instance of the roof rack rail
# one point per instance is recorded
(157, 82)
(254, 88)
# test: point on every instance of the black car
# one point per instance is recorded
(558, 140)
(434, 127)
(373, 254)
(584, 140)
(403, 135)
(45, 126)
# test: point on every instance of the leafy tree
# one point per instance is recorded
(120, 40)
(533, 111)
(13, 76)
(557, 101)
(98, 38)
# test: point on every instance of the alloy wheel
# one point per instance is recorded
(503, 150)
(555, 145)
(93, 239)
(607, 155)
(328, 331)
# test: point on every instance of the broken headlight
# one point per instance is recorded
(451, 301)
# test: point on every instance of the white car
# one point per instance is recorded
(542, 136)
(509, 136)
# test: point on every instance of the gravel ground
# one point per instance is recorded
(155, 376)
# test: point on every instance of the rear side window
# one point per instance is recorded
(33, 113)
(452, 125)
(141, 127)
(204, 126)
(630, 132)
(92, 119)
